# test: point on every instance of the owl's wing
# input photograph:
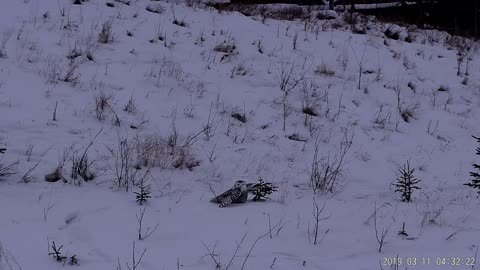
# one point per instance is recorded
(228, 197)
(220, 198)
(232, 197)
(252, 187)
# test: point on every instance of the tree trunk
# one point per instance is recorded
(330, 4)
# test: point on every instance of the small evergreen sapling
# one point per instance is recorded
(475, 181)
(56, 253)
(262, 190)
(73, 260)
(406, 182)
(144, 194)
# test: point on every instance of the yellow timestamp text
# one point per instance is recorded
(434, 261)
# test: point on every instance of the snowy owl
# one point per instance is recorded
(237, 194)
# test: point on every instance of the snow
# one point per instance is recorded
(181, 84)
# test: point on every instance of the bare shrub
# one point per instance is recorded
(27, 176)
(324, 70)
(431, 211)
(311, 104)
(153, 151)
(382, 118)
(148, 231)
(166, 68)
(54, 72)
(82, 166)
(135, 262)
(466, 49)
(70, 75)
(240, 70)
(227, 46)
(130, 107)
(106, 35)
(58, 173)
(408, 111)
(184, 159)
(210, 127)
(318, 215)
(157, 151)
(289, 75)
(380, 235)
(89, 46)
(124, 170)
(360, 63)
(325, 171)
(102, 103)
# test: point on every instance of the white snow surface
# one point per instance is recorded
(182, 80)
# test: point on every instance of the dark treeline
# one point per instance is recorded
(455, 16)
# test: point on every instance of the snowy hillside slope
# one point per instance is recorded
(196, 107)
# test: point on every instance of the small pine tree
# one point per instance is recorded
(262, 190)
(406, 182)
(144, 194)
(73, 260)
(475, 181)
(56, 253)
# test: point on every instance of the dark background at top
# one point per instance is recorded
(455, 16)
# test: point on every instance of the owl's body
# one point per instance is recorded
(237, 194)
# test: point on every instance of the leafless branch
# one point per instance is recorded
(148, 232)
(212, 255)
(135, 262)
(380, 236)
(239, 244)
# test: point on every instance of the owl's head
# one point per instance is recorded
(240, 184)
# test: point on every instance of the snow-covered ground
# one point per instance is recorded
(184, 93)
